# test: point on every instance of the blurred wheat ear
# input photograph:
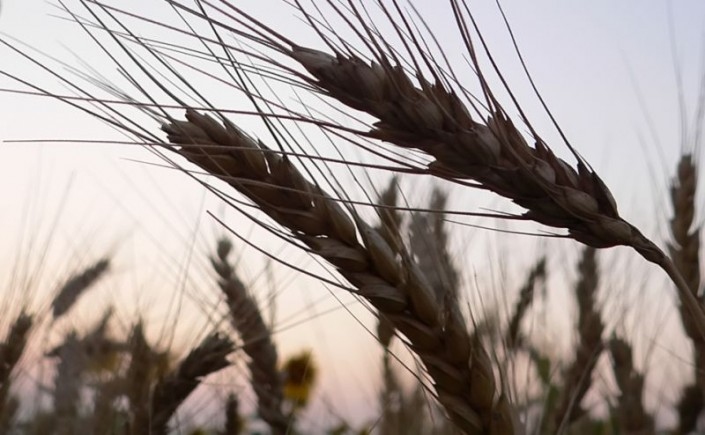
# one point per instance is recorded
(685, 251)
(77, 285)
(526, 296)
(258, 345)
(590, 327)
(11, 351)
(175, 387)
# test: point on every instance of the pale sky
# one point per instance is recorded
(600, 65)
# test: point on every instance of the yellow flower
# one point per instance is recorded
(299, 378)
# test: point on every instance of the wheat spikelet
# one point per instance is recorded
(526, 297)
(632, 417)
(462, 371)
(258, 345)
(75, 286)
(172, 390)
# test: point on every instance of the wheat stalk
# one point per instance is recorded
(462, 371)
(258, 345)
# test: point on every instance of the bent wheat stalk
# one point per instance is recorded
(461, 370)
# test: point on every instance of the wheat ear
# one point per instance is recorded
(172, 390)
(429, 244)
(493, 153)
(76, 285)
(461, 370)
(632, 417)
(391, 394)
(685, 251)
(257, 341)
(11, 350)
(590, 327)
(13, 347)
(526, 297)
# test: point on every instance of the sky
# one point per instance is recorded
(606, 69)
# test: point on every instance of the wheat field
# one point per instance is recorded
(368, 217)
